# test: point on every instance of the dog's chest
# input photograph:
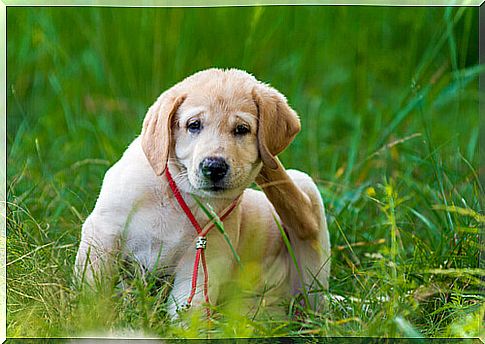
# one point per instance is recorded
(157, 236)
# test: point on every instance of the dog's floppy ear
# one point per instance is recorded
(156, 135)
(278, 123)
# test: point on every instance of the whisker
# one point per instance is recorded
(182, 180)
(180, 176)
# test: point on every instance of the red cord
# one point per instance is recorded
(194, 276)
(206, 283)
(200, 255)
(182, 202)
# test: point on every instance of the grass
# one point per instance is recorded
(388, 99)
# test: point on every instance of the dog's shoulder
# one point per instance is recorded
(129, 179)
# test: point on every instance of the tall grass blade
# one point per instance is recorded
(213, 217)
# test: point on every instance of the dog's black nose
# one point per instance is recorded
(214, 168)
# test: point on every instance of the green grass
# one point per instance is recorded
(388, 99)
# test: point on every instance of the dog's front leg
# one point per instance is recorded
(94, 258)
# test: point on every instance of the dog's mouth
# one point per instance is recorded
(220, 189)
(214, 188)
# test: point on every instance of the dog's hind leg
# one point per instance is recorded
(314, 253)
(298, 203)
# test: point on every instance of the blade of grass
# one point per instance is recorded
(212, 215)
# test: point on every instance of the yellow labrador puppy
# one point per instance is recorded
(215, 133)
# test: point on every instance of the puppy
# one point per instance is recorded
(214, 134)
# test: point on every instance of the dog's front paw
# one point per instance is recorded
(177, 309)
(174, 308)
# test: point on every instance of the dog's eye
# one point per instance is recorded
(241, 130)
(194, 126)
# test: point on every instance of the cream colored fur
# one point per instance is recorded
(137, 216)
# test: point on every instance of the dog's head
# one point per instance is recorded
(216, 128)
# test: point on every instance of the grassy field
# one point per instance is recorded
(388, 99)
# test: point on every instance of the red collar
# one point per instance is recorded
(201, 242)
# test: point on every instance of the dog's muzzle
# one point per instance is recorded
(214, 168)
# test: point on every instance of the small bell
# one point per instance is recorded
(201, 243)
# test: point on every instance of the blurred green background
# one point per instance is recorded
(388, 99)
